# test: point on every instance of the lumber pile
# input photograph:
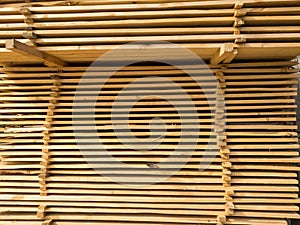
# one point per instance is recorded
(260, 134)
(46, 48)
(81, 30)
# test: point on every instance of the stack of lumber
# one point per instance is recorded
(77, 31)
(251, 146)
(260, 135)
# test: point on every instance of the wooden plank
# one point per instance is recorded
(47, 59)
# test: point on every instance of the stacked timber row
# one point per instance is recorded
(252, 160)
(260, 135)
(80, 31)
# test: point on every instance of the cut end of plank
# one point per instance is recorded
(10, 44)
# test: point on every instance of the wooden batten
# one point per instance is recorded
(225, 54)
(28, 51)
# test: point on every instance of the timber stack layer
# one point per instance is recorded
(46, 48)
